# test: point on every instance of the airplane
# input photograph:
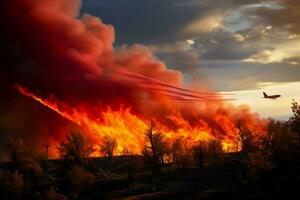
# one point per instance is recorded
(271, 96)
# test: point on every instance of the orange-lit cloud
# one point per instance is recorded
(70, 66)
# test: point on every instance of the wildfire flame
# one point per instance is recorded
(129, 129)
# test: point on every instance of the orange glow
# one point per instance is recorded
(128, 129)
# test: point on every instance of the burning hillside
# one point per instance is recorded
(68, 63)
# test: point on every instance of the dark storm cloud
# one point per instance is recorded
(242, 34)
(147, 21)
(293, 60)
(182, 60)
(155, 21)
(223, 45)
(285, 17)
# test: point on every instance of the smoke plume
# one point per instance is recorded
(77, 80)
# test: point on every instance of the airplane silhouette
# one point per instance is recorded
(271, 96)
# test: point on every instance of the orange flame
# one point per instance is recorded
(128, 129)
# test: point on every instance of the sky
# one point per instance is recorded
(243, 47)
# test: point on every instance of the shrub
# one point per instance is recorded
(80, 179)
(11, 185)
(76, 149)
(31, 168)
(50, 194)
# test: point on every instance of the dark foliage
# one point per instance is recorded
(108, 146)
(267, 166)
(75, 149)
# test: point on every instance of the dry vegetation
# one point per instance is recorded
(265, 161)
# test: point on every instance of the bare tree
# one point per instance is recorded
(157, 147)
(108, 146)
(75, 149)
(181, 154)
(246, 138)
(176, 149)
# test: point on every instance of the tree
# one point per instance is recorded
(108, 146)
(75, 149)
(176, 150)
(246, 139)
(284, 150)
(16, 153)
(215, 150)
(80, 179)
(295, 119)
(215, 147)
(200, 152)
(156, 149)
(16, 150)
(279, 149)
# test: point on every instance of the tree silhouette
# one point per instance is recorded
(200, 152)
(180, 153)
(176, 149)
(279, 149)
(246, 139)
(295, 119)
(16, 153)
(108, 146)
(215, 151)
(75, 149)
(157, 147)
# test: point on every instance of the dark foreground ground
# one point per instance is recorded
(218, 181)
(210, 182)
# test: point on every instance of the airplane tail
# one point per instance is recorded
(265, 95)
